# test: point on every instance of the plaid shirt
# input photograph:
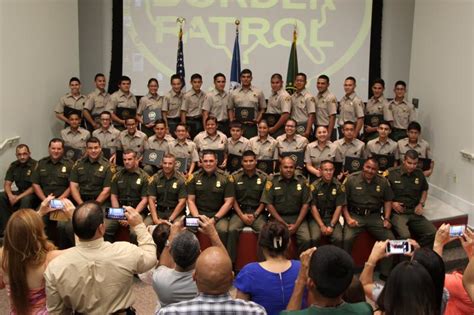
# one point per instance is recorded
(213, 305)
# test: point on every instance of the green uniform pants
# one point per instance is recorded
(303, 236)
(374, 225)
(6, 210)
(315, 230)
(422, 229)
(235, 226)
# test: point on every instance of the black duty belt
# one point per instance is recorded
(364, 211)
(323, 212)
(196, 118)
(247, 208)
(164, 209)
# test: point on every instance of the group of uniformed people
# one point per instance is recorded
(228, 177)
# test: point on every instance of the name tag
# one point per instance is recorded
(359, 188)
(240, 183)
(397, 182)
(277, 188)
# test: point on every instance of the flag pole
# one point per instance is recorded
(180, 56)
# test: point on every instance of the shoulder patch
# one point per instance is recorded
(189, 179)
(268, 185)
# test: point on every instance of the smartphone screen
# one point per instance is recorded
(56, 204)
(115, 213)
(456, 230)
(398, 247)
(191, 222)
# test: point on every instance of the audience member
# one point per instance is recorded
(409, 290)
(330, 273)
(459, 301)
(355, 292)
(96, 277)
(173, 279)
(160, 234)
(271, 282)
(24, 257)
(213, 276)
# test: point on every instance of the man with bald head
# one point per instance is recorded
(96, 277)
(213, 276)
(287, 197)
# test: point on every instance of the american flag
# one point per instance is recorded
(180, 58)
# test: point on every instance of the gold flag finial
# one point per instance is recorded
(237, 23)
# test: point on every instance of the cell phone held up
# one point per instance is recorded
(398, 247)
(456, 230)
(115, 213)
(191, 222)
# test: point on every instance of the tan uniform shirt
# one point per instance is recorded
(422, 147)
(192, 103)
(388, 147)
(161, 145)
(298, 144)
(351, 108)
(105, 273)
(279, 102)
(172, 103)
(302, 105)
(108, 138)
(378, 106)
(264, 149)
(188, 149)
(70, 101)
(403, 113)
(149, 102)
(96, 102)
(119, 99)
(217, 104)
(136, 142)
(356, 148)
(238, 147)
(314, 155)
(326, 106)
(205, 142)
(75, 139)
(249, 98)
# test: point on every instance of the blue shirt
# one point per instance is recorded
(271, 290)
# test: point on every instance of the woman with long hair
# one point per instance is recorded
(409, 290)
(270, 283)
(24, 257)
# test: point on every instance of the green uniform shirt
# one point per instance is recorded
(210, 190)
(327, 196)
(130, 186)
(20, 174)
(361, 308)
(249, 189)
(287, 196)
(167, 191)
(52, 177)
(361, 194)
(92, 176)
(407, 188)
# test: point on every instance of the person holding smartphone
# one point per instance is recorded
(167, 192)
(129, 188)
(410, 189)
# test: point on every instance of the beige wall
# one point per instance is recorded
(39, 53)
(441, 76)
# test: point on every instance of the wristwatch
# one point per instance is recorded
(216, 218)
(332, 226)
(255, 214)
